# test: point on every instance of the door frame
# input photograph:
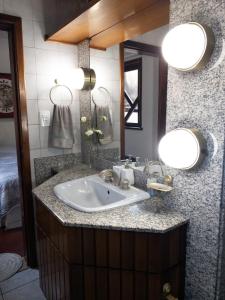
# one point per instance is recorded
(162, 93)
(13, 25)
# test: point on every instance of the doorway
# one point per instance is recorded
(17, 216)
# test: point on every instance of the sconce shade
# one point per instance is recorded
(85, 79)
(182, 148)
(188, 46)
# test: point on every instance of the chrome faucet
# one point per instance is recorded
(110, 175)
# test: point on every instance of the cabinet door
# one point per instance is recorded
(112, 284)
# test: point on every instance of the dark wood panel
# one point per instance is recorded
(73, 245)
(102, 283)
(141, 251)
(114, 249)
(127, 285)
(77, 283)
(89, 246)
(114, 284)
(89, 283)
(140, 286)
(127, 250)
(101, 248)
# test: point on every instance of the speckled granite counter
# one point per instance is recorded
(131, 217)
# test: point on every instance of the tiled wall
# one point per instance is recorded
(44, 61)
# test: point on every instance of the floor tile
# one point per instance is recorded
(29, 291)
(18, 280)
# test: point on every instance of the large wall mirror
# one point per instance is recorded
(135, 75)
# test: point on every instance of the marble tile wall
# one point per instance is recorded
(85, 101)
(46, 167)
(196, 99)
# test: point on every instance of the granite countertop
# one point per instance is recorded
(139, 217)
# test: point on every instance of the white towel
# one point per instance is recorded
(61, 130)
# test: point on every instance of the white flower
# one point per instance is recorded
(104, 118)
(89, 132)
(98, 131)
(83, 119)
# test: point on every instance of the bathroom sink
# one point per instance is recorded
(92, 194)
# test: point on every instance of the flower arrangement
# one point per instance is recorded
(91, 131)
(92, 134)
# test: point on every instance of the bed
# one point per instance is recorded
(9, 182)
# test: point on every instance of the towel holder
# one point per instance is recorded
(103, 89)
(57, 85)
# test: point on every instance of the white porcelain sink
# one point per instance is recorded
(92, 194)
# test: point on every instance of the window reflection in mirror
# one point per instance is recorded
(144, 99)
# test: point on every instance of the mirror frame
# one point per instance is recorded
(13, 25)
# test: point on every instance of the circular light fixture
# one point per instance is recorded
(182, 148)
(85, 79)
(188, 46)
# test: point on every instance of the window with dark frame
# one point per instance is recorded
(133, 94)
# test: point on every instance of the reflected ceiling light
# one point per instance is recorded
(188, 46)
(182, 148)
(85, 79)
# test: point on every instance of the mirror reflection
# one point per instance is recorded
(145, 83)
(131, 85)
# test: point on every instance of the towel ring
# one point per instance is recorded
(60, 85)
(106, 91)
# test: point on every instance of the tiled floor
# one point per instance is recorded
(22, 286)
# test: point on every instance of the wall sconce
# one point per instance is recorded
(85, 79)
(182, 148)
(188, 46)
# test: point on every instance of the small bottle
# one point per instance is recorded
(137, 163)
(126, 165)
(130, 158)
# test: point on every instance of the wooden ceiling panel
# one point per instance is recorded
(148, 19)
(99, 18)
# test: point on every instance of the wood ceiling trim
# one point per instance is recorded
(99, 18)
(148, 19)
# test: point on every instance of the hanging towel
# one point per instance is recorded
(104, 123)
(61, 130)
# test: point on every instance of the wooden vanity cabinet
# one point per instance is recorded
(80, 263)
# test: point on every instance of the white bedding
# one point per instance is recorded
(9, 182)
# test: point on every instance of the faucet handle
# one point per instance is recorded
(168, 180)
(106, 175)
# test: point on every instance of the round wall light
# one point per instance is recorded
(188, 46)
(85, 79)
(182, 148)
